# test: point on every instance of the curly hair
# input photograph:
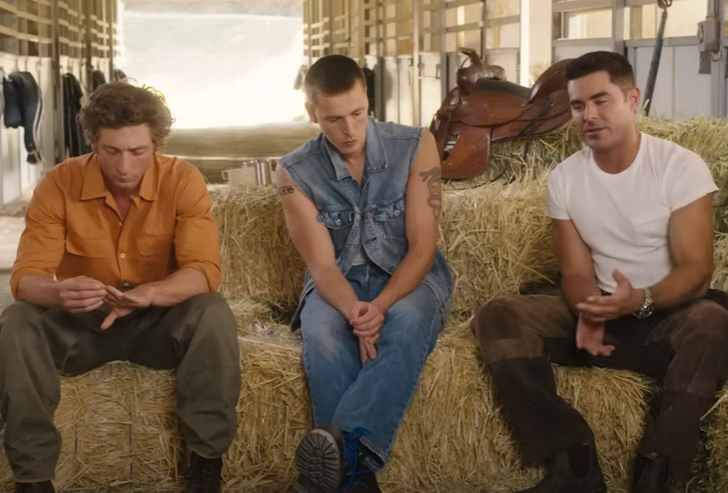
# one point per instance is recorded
(118, 104)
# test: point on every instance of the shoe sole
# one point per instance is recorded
(319, 462)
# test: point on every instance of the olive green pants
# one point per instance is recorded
(198, 338)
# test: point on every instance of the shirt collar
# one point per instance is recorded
(95, 188)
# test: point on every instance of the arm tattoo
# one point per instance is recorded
(285, 190)
(434, 185)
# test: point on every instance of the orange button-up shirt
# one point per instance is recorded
(73, 227)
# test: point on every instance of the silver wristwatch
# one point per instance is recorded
(647, 306)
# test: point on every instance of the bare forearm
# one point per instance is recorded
(577, 288)
(178, 287)
(333, 287)
(40, 290)
(682, 283)
(406, 278)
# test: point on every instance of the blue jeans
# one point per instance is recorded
(374, 396)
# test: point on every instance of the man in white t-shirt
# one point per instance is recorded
(633, 233)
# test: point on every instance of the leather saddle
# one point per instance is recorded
(485, 108)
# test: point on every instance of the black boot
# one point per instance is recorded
(574, 471)
(650, 475)
(320, 461)
(40, 487)
(362, 480)
(329, 461)
(204, 476)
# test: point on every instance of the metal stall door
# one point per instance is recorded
(405, 90)
(431, 95)
(680, 91)
(390, 89)
(509, 59)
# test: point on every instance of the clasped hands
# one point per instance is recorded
(598, 309)
(83, 294)
(367, 320)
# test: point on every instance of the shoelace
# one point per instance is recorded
(351, 455)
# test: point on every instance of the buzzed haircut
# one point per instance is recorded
(332, 75)
(616, 65)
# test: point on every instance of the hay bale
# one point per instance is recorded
(118, 423)
(260, 262)
(454, 415)
(274, 412)
(713, 468)
(702, 135)
(496, 239)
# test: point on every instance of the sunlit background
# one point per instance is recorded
(216, 69)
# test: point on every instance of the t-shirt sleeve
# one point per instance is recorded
(686, 180)
(555, 203)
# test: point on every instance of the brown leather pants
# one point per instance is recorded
(685, 348)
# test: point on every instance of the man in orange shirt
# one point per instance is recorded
(119, 260)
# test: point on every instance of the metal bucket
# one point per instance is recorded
(253, 171)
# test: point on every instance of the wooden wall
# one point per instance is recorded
(49, 38)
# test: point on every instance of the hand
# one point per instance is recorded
(123, 303)
(590, 337)
(367, 319)
(81, 294)
(623, 301)
(367, 348)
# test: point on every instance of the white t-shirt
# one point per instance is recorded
(623, 218)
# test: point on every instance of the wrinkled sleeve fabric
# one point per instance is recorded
(42, 243)
(196, 241)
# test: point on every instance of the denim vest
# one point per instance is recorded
(373, 212)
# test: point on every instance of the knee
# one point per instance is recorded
(707, 327)
(211, 314)
(491, 320)
(412, 324)
(19, 320)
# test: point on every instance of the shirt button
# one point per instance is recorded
(338, 222)
(123, 255)
(396, 213)
(126, 284)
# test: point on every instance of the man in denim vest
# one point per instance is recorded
(362, 203)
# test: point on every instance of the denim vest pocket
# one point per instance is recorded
(339, 224)
(390, 217)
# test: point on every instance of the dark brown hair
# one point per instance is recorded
(332, 75)
(118, 104)
(616, 65)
